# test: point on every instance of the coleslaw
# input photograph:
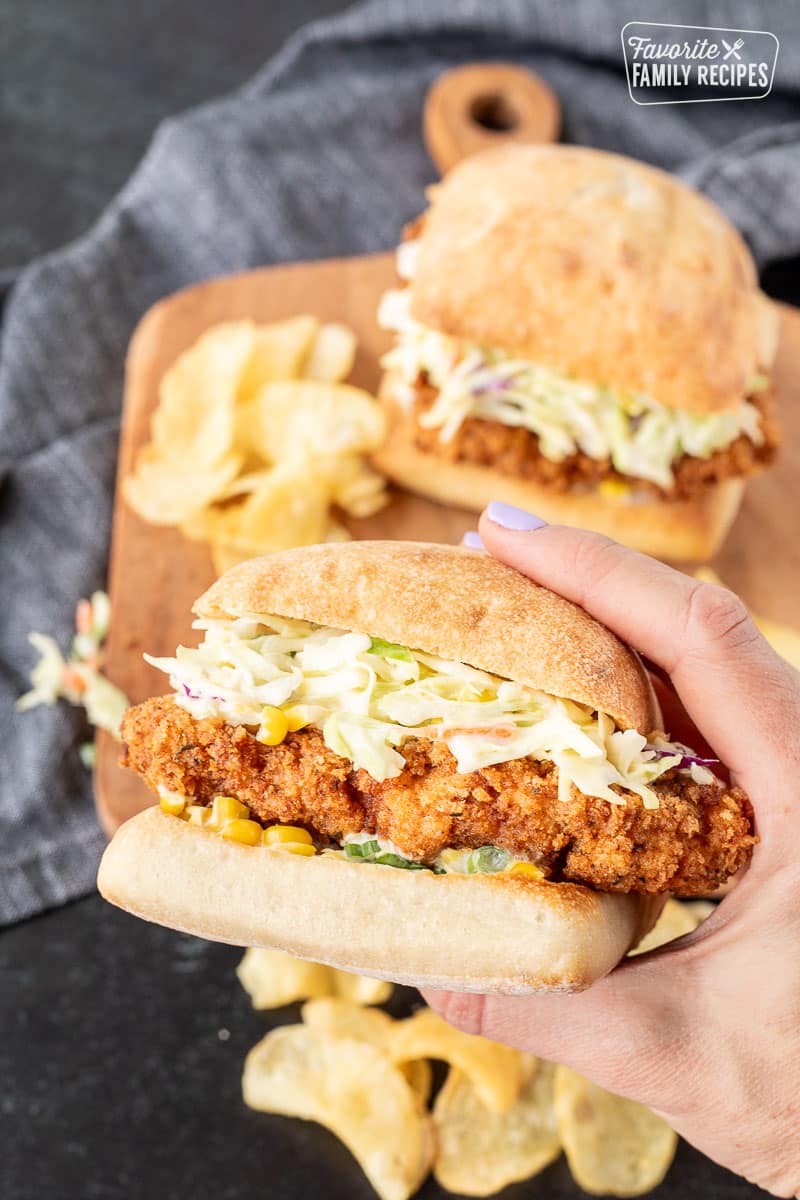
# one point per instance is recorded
(78, 678)
(367, 696)
(640, 437)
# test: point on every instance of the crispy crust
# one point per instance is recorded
(681, 530)
(470, 933)
(599, 267)
(515, 451)
(698, 836)
(455, 603)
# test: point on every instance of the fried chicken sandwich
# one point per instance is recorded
(408, 760)
(582, 336)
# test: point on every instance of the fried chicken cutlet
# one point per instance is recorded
(698, 836)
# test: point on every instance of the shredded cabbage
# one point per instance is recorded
(641, 437)
(77, 678)
(368, 696)
(46, 677)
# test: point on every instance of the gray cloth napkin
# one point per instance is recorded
(319, 155)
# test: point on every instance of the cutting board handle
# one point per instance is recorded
(482, 104)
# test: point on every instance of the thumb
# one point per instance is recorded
(743, 698)
(624, 1033)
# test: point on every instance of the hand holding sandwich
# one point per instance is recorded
(705, 1031)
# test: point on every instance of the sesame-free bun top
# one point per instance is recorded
(596, 266)
(457, 604)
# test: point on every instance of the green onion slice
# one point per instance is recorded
(390, 650)
(487, 860)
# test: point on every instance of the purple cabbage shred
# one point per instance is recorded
(187, 691)
(687, 760)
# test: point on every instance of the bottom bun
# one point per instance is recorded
(472, 933)
(684, 530)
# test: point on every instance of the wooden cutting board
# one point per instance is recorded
(156, 574)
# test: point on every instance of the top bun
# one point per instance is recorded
(596, 266)
(455, 603)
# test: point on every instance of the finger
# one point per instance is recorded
(731, 683)
(619, 1033)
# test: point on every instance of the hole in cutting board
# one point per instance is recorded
(493, 112)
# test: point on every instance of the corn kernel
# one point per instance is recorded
(301, 848)
(451, 858)
(277, 834)
(227, 808)
(296, 718)
(614, 489)
(198, 814)
(528, 869)
(171, 802)
(274, 726)
(242, 830)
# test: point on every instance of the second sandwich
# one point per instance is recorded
(584, 337)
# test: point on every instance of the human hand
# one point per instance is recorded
(705, 1031)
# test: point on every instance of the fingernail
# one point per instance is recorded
(508, 517)
(473, 540)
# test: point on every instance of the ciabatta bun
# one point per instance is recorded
(473, 932)
(469, 933)
(596, 266)
(455, 603)
(681, 530)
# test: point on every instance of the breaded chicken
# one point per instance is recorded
(697, 837)
(514, 450)
(299, 782)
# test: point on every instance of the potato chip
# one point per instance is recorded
(163, 494)
(677, 918)
(213, 521)
(193, 426)
(254, 441)
(278, 351)
(478, 1151)
(361, 989)
(783, 638)
(343, 1018)
(287, 509)
(332, 354)
(284, 507)
(241, 487)
(272, 978)
(419, 1073)
(336, 532)
(355, 487)
(224, 557)
(307, 419)
(614, 1146)
(353, 1089)
(496, 1072)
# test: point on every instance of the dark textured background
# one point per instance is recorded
(121, 1056)
(84, 84)
(122, 1043)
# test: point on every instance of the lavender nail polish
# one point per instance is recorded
(508, 517)
(473, 540)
